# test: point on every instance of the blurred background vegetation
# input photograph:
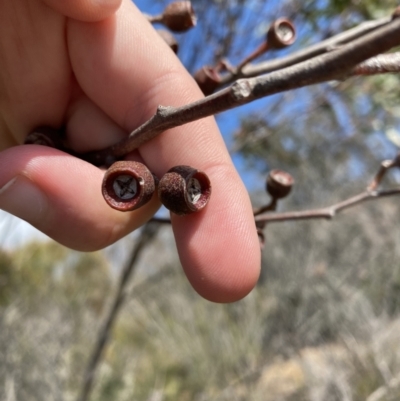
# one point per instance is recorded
(323, 323)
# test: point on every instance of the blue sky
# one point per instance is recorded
(229, 121)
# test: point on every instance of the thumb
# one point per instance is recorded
(85, 10)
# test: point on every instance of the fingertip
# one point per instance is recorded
(219, 247)
(228, 291)
(85, 10)
(226, 288)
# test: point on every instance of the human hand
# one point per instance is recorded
(99, 69)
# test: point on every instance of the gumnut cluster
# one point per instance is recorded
(128, 185)
(281, 33)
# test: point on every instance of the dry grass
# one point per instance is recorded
(322, 325)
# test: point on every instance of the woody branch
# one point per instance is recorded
(336, 64)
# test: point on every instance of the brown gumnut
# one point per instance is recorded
(279, 184)
(128, 185)
(45, 136)
(184, 190)
(179, 16)
(169, 39)
(281, 33)
(208, 79)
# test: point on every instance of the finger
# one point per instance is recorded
(88, 127)
(126, 69)
(61, 196)
(85, 10)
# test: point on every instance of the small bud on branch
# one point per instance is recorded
(281, 33)
(208, 79)
(178, 16)
(330, 212)
(279, 184)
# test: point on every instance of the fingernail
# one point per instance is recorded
(22, 198)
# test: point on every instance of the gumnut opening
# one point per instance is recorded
(279, 184)
(281, 33)
(128, 185)
(179, 16)
(169, 39)
(184, 190)
(208, 79)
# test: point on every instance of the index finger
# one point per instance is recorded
(127, 70)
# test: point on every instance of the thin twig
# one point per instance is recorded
(153, 18)
(333, 65)
(271, 206)
(264, 214)
(328, 212)
(322, 213)
(161, 220)
(385, 166)
(148, 233)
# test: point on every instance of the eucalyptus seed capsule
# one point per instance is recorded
(279, 184)
(184, 190)
(208, 79)
(179, 16)
(128, 185)
(281, 33)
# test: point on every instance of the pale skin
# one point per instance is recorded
(99, 68)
